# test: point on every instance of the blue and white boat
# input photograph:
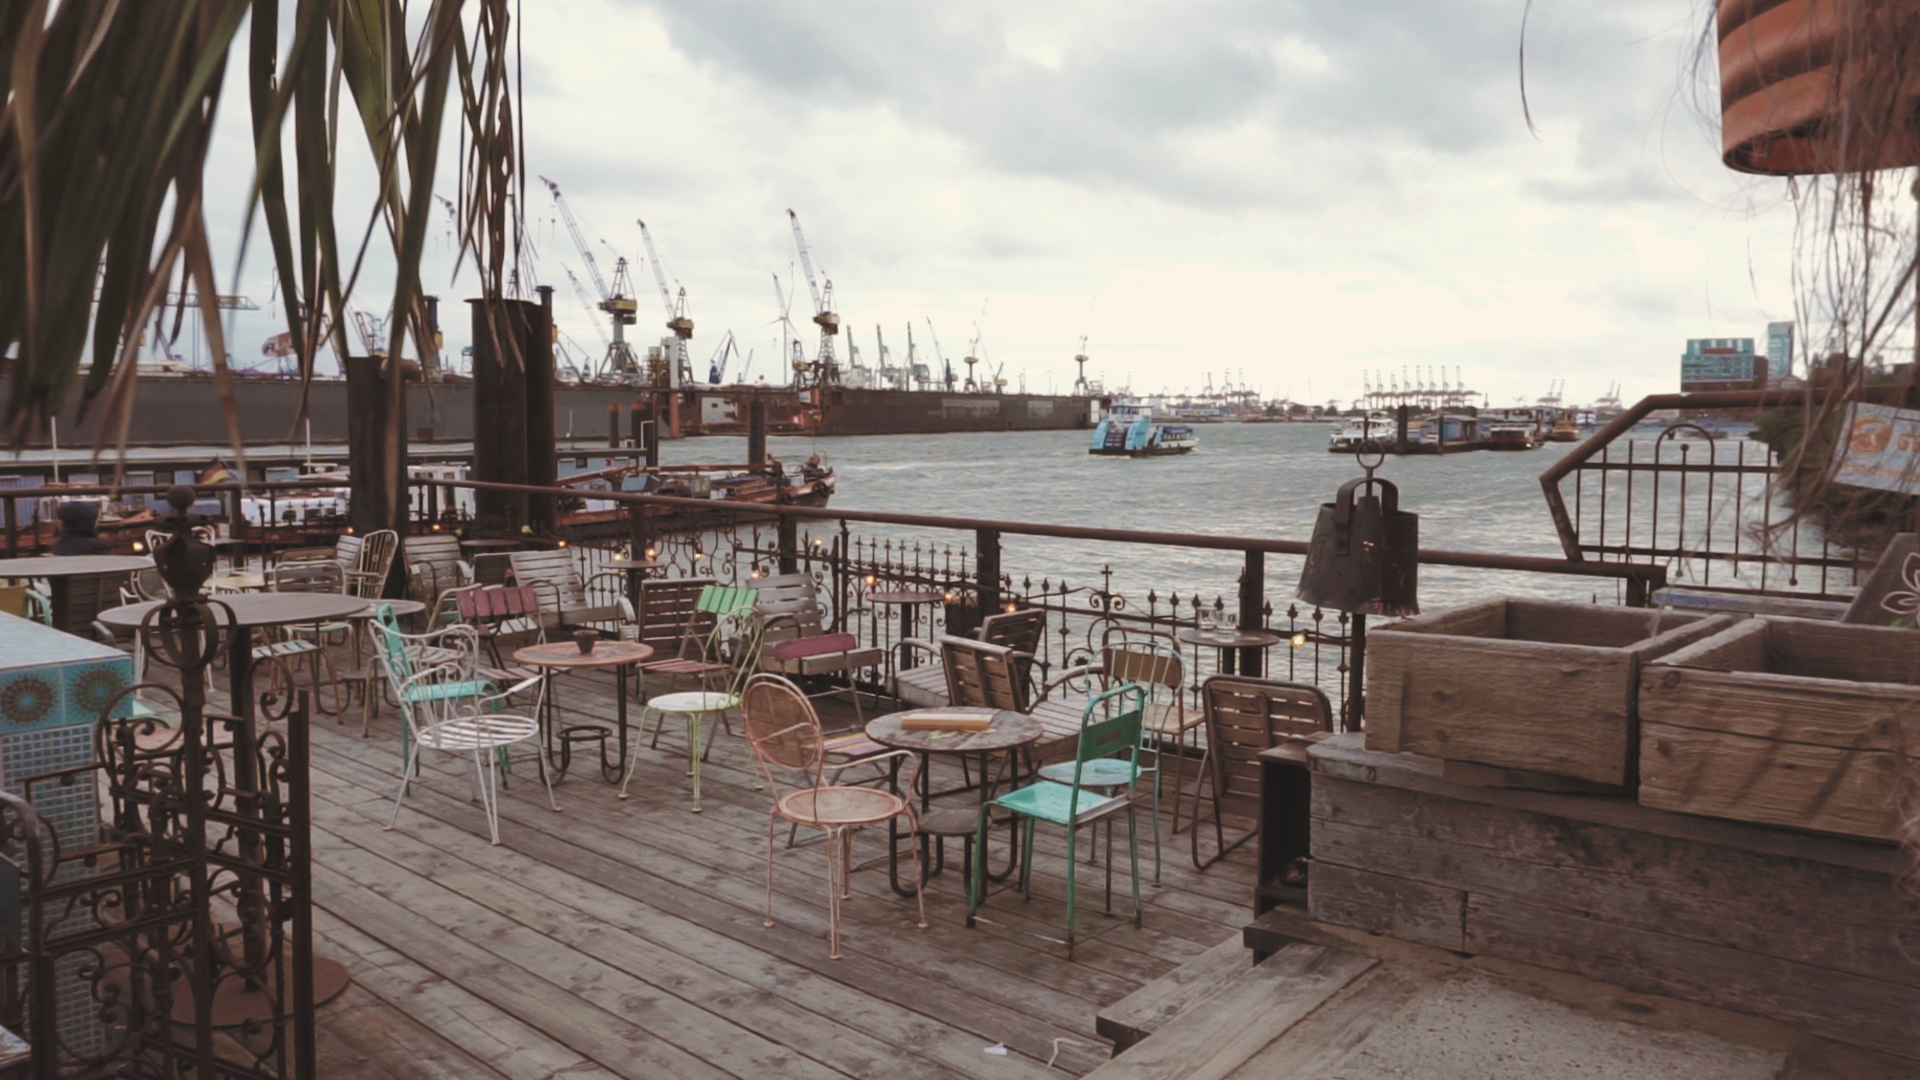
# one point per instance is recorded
(1135, 433)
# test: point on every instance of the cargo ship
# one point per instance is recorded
(184, 410)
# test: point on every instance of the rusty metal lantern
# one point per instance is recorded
(1365, 553)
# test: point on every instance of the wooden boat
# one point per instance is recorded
(1565, 429)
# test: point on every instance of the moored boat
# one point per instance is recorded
(1565, 429)
(1511, 436)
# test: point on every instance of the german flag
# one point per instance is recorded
(217, 473)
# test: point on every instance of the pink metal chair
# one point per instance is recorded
(785, 735)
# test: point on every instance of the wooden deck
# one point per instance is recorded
(626, 938)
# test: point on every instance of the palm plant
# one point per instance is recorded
(109, 113)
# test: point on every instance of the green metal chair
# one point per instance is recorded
(722, 660)
(1110, 728)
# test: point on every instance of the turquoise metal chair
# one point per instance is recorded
(1106, 756)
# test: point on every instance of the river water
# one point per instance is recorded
(1255, 480)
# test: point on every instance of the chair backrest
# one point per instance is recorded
(390, 645)
(306, 555)
(367, 576)
(1245, 716)
(148, 585)
(433, 565)
(1147, 662)
(1109, 727)
(782, 728)
(346, 551)
(791, 606)
(555, 574)
(494, 602)
(726, 599)
(87, 596)
(669, 610)
(981, 675)
(493, 569)
(312, 576)
(1019, 630)
(21, 600)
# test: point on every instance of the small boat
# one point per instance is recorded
(1511, 436)
(1138, 434)
(1565, 429)
(1346, 437)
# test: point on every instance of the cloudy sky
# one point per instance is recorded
(1285, 193)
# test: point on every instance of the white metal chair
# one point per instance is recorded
(444, 707)
(784, 732)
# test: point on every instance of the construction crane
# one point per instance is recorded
(945, 368)
(373, 333)
(824, 370)
(617, 301)
(717, 367)
(580, 294)
(677, 320)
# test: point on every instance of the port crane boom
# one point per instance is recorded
(677, 319)
(823, 368)
(619, 305)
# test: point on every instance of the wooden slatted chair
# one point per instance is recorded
(983, 675)
(434, 569)
(799, 645)
(569, 601)
(1245, 716)
(365, 562)
(925, 685)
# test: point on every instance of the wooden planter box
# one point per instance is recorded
(1785, 722)
(1524, 685)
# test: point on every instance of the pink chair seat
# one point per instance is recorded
(800, 648)
(834, 806)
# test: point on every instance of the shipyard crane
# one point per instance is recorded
(677, 318)
(580, 293)
(890, 375)
(824, 369)
(372, 333)
(617, 301)
(717, 367)
(915, 369)
(945, 368)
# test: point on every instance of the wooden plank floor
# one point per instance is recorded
(626, 938)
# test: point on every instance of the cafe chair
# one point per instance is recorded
(798, 643)
(465, 724)
(784, 732)
(725, 655)
(434, 569)
(925, 685)
(1152, 661)
(1106, 756)
(570, 601)
(1245, 716)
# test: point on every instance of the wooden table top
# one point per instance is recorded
(1010, 729)
(48, 566)
(1228, 639)
(565, 655)
(905, 596)
(255, 609)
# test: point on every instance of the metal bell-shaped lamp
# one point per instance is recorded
(1365, 554)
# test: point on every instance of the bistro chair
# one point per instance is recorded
(365, 562)
(724, 660)
(434, 569)
(571, 601)
(1110, 728)
(442, 713)
(1152, 661)
(925, 686)
(1245, 716)
(798, 643)
(784, 732)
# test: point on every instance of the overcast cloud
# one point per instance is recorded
(1290, 191)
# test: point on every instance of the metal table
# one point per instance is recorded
(59, 569)
(1228, 642)
(1010, 731)
(566, 656)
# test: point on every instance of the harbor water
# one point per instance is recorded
(1253, 480)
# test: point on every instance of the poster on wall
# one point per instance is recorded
(1879, 447)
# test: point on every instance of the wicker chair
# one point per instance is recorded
(785, 735)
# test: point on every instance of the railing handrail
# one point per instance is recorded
(1887, 394)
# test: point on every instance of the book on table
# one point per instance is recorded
(936, 720)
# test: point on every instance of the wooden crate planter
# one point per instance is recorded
(1790, 722)
(1525, 685)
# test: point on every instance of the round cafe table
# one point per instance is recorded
(566, 656)
(1228, 642)
(59, 570)
(1007, 733)
(239, 1000)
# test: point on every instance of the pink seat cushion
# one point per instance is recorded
(813, 646)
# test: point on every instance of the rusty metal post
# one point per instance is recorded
(1253, 599)
(757, 432)
(1355, 712)
(13, 527)
(789, 544)
(300, 883)
(986, 566)
(613, 425)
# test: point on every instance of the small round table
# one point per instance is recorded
(909, 601)
(1009, 732)
(566, 656)
(1228, 641)
(59, 569)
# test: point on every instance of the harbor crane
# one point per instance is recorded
(618, 302)
(677, 319)
(945, 368)
(717, 367)
(824, 369)
(580, 293)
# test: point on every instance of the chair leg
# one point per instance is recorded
(919, 893)
(1156, 818)
(834, 851)
(772, 820)
(540, 763)
(407, 767)
(1073, 875)
(634, 765)
(489, 792)
(1133, 854)
(694, 755)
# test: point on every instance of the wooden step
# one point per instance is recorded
(1163, 1000)
(1279, 928)
(1242, 1018)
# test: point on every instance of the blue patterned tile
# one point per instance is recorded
(88, 688)
(30, 700)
